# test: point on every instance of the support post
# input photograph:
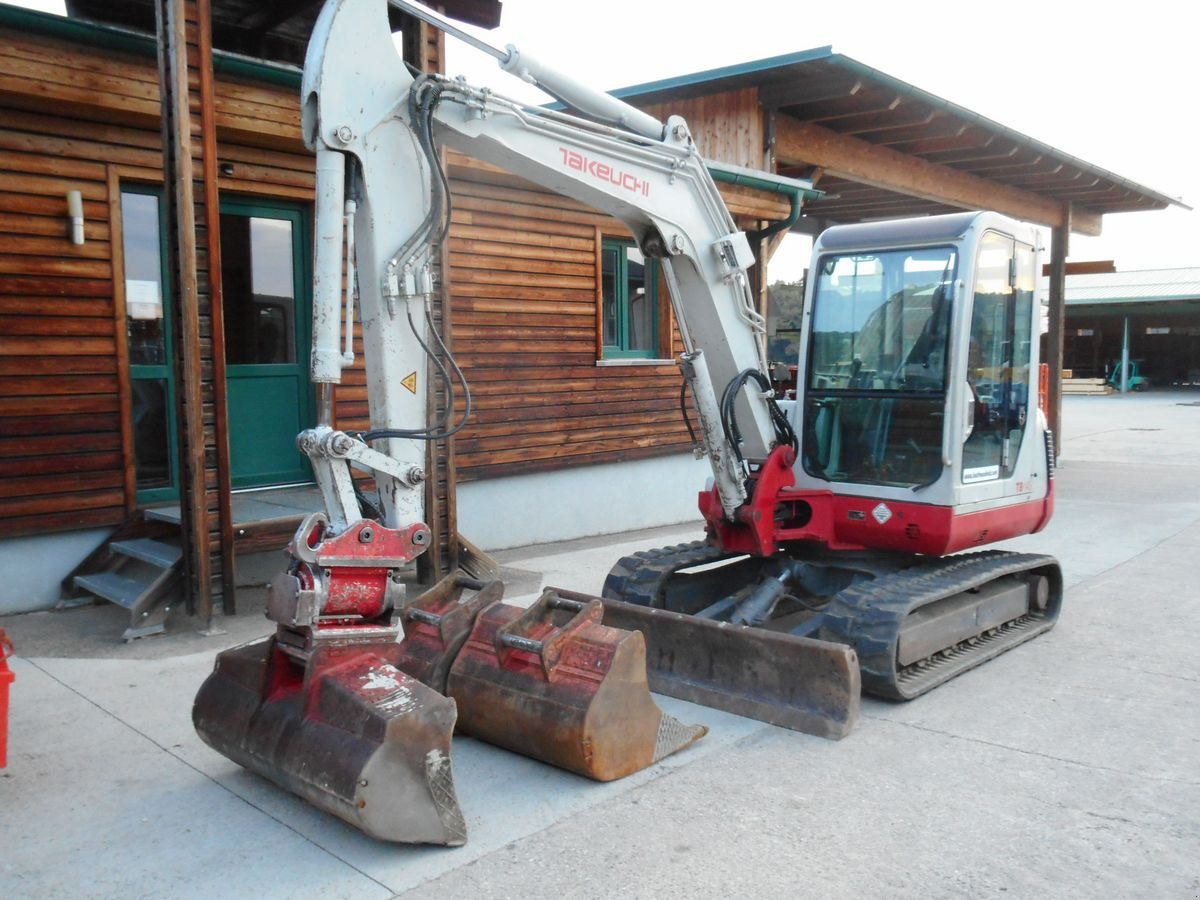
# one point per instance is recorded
(1060, 238)
(179, 194)
(1125, 358)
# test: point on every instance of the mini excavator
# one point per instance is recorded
(835, 521)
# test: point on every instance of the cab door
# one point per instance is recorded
(999, 370)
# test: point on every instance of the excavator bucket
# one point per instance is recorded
(795, 682)
(553, 683)
(437, 623)
(348, 731)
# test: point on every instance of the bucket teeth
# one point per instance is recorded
(553, 683)
(349, 732)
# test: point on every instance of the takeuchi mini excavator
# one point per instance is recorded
(831, 561)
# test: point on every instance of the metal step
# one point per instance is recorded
(148, 550)
(114, 587)
(170, 514)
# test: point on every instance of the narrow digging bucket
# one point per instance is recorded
(794, 682)
(552, 683)
(349, 732)
(437, 624)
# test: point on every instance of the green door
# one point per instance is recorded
(264, 275)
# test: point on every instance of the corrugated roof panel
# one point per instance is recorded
(1144, 286)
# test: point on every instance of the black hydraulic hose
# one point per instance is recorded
(683, 412)
(438, 432)
(368, 509)
(784, 433)
(423, 100)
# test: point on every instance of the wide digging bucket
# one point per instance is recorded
(349, 732)
(794, 682)
(552, 683)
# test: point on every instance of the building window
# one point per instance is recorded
(629, 313)
(148, 336)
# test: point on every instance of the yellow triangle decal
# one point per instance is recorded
(410, 382)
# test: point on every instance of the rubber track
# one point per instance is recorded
(641, 578)
(869, 617)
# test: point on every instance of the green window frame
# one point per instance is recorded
(629, 313)
(151, 358)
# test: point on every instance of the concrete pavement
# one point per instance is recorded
(1067, 767)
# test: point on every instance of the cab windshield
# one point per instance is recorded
(876, 374)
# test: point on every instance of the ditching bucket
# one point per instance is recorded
(552, 683)
(348, 731)
(794, 682)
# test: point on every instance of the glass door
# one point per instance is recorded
(265, 284)
(148, 337)
(998, 359)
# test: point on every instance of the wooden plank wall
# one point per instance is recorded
(62, 409)
(523, 275)
(728, 127)
(65, 447)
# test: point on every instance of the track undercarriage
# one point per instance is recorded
(914, 622)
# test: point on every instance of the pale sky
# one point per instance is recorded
(1113, 88)
(1114, 85)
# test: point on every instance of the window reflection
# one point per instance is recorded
(998, 358)
(151, 445)
(142, 248)
(259, 289)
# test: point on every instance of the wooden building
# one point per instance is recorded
(164, 358)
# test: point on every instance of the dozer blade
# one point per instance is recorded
(795, 682)
(436, 625)
(349, 732)
(553, 683)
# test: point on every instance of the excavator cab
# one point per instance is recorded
(917, 438)
(919, 363)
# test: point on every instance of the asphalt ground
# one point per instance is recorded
(1068, 767)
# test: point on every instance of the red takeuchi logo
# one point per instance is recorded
(573, 159)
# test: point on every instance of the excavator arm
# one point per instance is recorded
(377, 130)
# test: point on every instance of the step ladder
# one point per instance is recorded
(136, 571)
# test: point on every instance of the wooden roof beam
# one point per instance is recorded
(800, 143)
(794, 92)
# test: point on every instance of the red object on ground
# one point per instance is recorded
(6, 678)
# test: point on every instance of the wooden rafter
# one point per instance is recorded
(799, 143)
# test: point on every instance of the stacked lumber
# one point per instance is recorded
(1086, 386)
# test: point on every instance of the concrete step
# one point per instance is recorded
(148, 550)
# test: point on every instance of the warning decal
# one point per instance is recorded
(410, 382)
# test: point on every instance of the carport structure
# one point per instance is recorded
(1150, 318)
(882, 148)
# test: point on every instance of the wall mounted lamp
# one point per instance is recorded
(75, 211)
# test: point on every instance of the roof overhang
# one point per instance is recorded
(881, 148)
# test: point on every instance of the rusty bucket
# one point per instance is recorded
(553, 683)
(437, 623)
(346, 730)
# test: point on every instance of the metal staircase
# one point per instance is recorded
(137, 568)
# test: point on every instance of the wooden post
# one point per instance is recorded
(178, 174)
(212, 215)
(1059, 247)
